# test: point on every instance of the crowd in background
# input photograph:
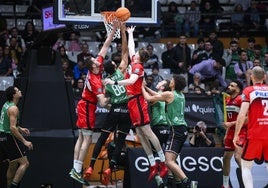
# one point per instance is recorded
(207, 66)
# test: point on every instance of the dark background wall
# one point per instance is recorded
(47, 109)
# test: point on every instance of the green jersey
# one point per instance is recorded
(175, 110)
(230, 73)
(4, 118)
(118, 93)
(158, 116)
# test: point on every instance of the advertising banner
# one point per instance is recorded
(199, 164)
(197, 108)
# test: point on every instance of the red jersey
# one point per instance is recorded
(135, 89)
(233, 108)
(93, 84)
(257, 97)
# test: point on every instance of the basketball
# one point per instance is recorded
(122, 14)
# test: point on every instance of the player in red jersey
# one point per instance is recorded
(86, 107)
(255, 107)
(138, 107)
(233, 103)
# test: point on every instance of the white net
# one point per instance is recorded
(108, 18)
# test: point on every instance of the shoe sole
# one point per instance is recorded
(79, 180)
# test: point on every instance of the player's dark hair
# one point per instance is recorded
(239, 85)
(166, 86)
(109, 67)
(10, 91)
(89, 64)
(144, 55)
(180, 82)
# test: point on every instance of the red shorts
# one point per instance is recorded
(228, 142)
(86, 114)
(138, 110)
(255, 149)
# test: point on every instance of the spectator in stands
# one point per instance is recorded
(78, 89)
(84, 54)
(168, 19)
(191, 20)
(215, 4)
(179, 20)
(252, 17)
(199, 50)
(167, 56)
(197, 86)
(213, 88)
(5, 64)
(237, 18)
(200, 138)
(16, 53)
(14, 32)
(265, 46)
(258, 53)
(245, 3)
(217, 44)
(231, 57)
(62, 53)
(250, 48)
(79, 70)
(210, 71)
(156, 77)
(8, 56)
(207, 54)
(67, 71)
(182, 56)
(60, 42)
(153, 58)
(265, 63)
(29, 34)
(242, 66)
(208, 18)
(74, 43)
(116, 56)
(149, 80)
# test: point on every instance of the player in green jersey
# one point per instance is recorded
(175, 105)
(13, 145)
(118, 117)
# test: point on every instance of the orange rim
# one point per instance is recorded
(108, 16)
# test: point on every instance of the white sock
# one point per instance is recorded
(246, 173)
(151, 160)
(226, 181)
(78, 166)
(74, 162)
(161, 155)
(158, 180)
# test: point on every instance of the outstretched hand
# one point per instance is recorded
(131, 29)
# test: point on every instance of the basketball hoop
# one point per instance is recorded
(108, 18)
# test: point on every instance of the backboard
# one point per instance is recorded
(88, 11)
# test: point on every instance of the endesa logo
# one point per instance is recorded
(188, 163)
(48, 14)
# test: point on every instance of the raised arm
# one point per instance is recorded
(131, 44)
(108, 40)
(124, 59)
